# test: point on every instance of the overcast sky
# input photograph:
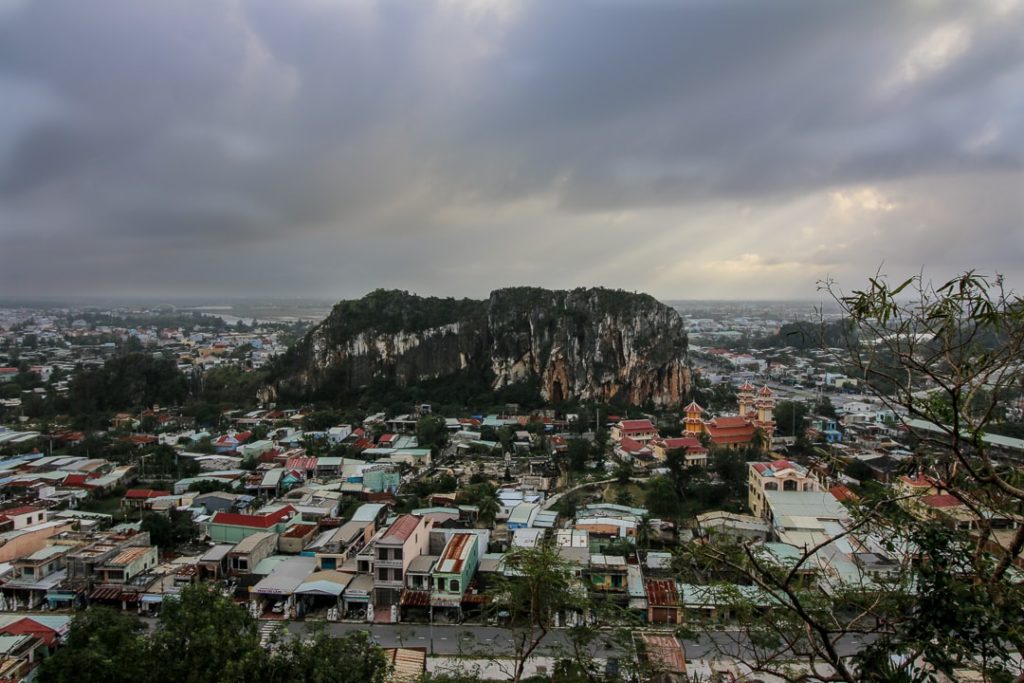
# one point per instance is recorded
(690, 149)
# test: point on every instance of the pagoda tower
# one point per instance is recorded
(694, 423)
(765, 404)
(745, 396)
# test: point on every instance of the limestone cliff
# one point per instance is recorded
(585, 343)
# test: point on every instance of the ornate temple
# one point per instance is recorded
(735, 431)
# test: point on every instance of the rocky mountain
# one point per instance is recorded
(586, 343)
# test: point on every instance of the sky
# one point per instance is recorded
(692, 149)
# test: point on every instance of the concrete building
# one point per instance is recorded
(393, 551)
(780, 475)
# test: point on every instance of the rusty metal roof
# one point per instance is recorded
(455, 554)
(661, 593)
(664, 652)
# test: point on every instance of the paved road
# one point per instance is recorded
(495, 641)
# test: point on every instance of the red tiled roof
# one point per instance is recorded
(636, 426)
(631, 446)
(22, 510)
(920, 481)
(730, 422)
(693, 407)
(253, 521)
(137, 494)
(299, 530)
(301, 463)
(686, 442)
(842, 493)
(941, 500)
(402, 528)
(75, 480)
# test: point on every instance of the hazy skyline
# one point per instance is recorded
(689, 149)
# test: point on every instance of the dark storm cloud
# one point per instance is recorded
(322, 148)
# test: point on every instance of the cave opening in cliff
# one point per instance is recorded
(557, 394)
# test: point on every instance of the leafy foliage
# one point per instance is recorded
(134, 380)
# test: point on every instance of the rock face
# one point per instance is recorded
(585, 343)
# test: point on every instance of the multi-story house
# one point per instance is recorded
(392, 552)
(780, 475)
(453, 571)
(638, 430)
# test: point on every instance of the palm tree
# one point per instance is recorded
(644, 531)
(488, 508)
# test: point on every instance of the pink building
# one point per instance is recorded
(393, 552)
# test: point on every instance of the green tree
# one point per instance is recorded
(661, 497)
(103, 645)
(578, 453)
(534, 588)
(204, 636)
(432, 432)
(623, 473)
(789, 418)
(943, 355)
(321, 658)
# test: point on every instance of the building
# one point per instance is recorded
(780, 475)
(128, 564)
(250, 551)
(232, 527)
(756, 414)
(695, 453)
(638, 430)
(393, 551)
(24, 516)
(453, 572)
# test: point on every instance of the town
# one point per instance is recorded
(409, 520)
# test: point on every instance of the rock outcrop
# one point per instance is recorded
(589, 344)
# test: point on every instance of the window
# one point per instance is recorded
(382, 553)
(454, 586)
(789, 485)
(396, 554)
(382, 574)
(440, 584)
(397, 575)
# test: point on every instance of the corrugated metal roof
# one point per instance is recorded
(455, 553)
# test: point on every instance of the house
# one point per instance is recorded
(128, 564)
(694, 452)
(522, 516)
(232, 527)
(780, 475)
(607, 573)
(630, 449)
(663, 605)
(24, 516)
(452, 573)
(139, 499)
(295, 538)
(250, 551)
(392, 552)
(638, 430)
(36, 574)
